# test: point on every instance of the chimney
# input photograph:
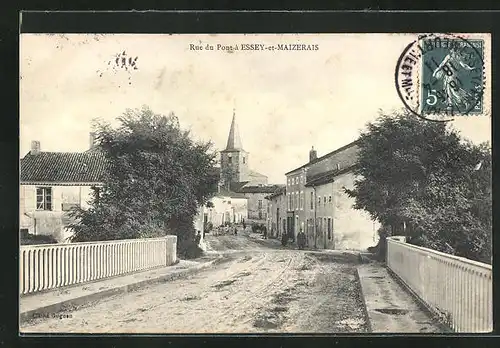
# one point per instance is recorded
(91, 140)
(312, 154)
(35, 147)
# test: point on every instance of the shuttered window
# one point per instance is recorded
(44, 198)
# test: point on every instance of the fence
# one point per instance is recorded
(457, 288)
(44, 267)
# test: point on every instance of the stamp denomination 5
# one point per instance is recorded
(442, 75)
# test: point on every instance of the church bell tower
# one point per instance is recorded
(234, 160)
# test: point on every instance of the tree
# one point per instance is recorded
(424, 180)
(156, 178)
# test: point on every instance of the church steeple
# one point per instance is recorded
(234, 140)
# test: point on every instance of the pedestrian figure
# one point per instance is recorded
(301, 240)
(197, 239)
(244, 225)
(265, 232)
(284, 239)
(235, 231)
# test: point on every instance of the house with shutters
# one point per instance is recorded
(317, 203)
(51, 183)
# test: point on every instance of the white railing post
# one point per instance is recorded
(458, 288)
(49, 266)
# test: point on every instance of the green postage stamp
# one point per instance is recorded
(440, 76)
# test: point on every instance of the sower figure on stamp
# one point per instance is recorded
(448, 72)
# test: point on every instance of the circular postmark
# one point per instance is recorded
(439, 76)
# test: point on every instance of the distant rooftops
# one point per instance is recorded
(278, 192)
(260, 188)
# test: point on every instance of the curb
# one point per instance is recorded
(433, 314)
(365, 307)
(72, 304)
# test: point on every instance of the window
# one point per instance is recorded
(329, 199)
(312, 200)
(44, 198)
(324, 200)
(260, 203)
(329, 228)
(289, 202)
(260, 215)
(319, 200)
(230, 160)
(243, 160)
(301, 201)
(296, 201)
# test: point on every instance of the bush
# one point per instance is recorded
(191, 251)
(37, 239)
(380, 249)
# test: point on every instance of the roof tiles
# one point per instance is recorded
(63, 167)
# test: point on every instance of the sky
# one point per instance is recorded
(285, 101)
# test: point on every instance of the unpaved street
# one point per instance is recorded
(257, 288)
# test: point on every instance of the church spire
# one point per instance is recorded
(234, 140)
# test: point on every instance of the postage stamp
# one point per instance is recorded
(440, 76)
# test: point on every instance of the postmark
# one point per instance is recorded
(440, 76)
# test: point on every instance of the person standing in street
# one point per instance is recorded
(197, 239)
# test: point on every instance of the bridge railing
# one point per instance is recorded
(458, 289)
(49, 266)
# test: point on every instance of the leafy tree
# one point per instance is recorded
(424, 180)
(156, 178)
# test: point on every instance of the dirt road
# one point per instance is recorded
(257, 288)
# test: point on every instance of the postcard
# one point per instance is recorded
(255, 183)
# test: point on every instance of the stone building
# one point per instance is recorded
(239, 178)
(317, 203)
(276, 215)
(51, 183)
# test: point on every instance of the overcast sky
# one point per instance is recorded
(285, 102)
